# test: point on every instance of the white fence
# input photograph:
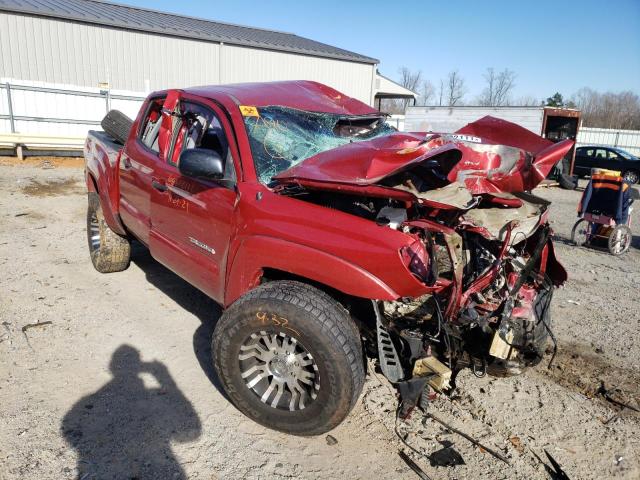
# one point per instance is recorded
(628, 140)
(40, 108)
(52, 109)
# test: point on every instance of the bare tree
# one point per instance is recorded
(586, 100)
(498, 89)
(441, 92)
(527, 101)
(455, 88)
(409, 79)
(608, 110)
(427, 92)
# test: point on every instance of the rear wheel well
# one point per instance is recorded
(92, 185)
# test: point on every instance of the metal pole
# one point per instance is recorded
(617, 138)
(108, 99)
(11, 119)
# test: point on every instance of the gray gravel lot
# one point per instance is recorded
(117, 367)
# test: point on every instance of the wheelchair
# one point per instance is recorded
(605, 213)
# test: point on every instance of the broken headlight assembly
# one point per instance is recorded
(419, 262)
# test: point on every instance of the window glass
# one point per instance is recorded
(601, 154)
(588, 152)
(282, 137)
(150, 130)
(624, 154)
(199, 127)
(613, 155)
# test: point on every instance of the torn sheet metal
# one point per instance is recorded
(496, 221)
(480, 163)
(489, 168)
(365, 162)
(454, 195)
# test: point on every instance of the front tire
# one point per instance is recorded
(109, 251)
(290, 358)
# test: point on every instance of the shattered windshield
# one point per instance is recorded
(282, 137)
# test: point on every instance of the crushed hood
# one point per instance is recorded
(487, 156)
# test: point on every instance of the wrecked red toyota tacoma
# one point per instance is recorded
(328, 236)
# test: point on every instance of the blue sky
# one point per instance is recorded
(551, 45)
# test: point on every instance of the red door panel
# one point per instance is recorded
(139, 162)
(191, 226)
(191, 219)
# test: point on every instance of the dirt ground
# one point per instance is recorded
(118, 367)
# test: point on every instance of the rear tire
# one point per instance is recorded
(619, 240)
(567, 182)
(117, 124)
(286, 337)
(631, 176)
(109, 251)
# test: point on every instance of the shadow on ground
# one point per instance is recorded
(125, 429)
(564, 239)
(189, 298)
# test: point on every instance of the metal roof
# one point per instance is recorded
(298, 94)
(134, 18)
(387, 88)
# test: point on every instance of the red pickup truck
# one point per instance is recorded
(328, 236)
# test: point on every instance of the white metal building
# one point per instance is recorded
(64, 62)
(88, 42)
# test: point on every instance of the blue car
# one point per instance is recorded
(611, 158)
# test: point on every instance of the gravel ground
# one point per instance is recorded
(109, 376)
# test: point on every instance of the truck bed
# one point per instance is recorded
(100, 144)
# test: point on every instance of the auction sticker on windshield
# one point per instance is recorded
(249, 111)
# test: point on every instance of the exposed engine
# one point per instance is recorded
(501, 328)
(477, 243)
(486, 260)
(497, 321)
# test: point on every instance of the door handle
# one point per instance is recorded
(161, 187)
(126, 163)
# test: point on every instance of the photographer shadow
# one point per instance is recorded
(189, 298)
(125, 429)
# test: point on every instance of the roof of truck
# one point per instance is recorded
(299, 94)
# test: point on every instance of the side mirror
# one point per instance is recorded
(201, 163)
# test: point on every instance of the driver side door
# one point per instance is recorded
(191, 218)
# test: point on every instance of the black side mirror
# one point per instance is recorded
(201, 163)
